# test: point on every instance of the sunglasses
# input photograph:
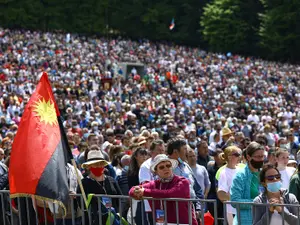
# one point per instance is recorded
(273, 177)
(236, 154)
(162, 167)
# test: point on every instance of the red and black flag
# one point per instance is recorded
(40, 150)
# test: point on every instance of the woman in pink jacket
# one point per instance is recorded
(167, 185)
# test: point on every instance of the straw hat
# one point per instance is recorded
(141, 140)
(226, 131)
(162, 158)
(93, 157)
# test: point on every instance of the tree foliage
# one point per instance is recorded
(231, 25)
(280, 29)
(267, 28)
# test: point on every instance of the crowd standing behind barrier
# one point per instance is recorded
(207, 102)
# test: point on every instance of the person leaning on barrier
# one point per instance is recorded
(270, 179)
(98, 183)
(168, 185)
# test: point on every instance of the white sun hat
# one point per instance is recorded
(162, 158)
(94, 156)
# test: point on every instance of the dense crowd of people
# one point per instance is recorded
(193, 124)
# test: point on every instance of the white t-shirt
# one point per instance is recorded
(286, 175)
(145, 173)
(225, 181)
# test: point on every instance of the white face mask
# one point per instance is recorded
(285, 146)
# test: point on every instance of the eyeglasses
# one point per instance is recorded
(162, 167)
(273, 177)
(236, 154)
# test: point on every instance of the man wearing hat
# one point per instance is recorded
(227, 138)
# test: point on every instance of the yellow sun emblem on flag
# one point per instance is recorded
(46, 111)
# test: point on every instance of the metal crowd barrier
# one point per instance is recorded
(20, 211)
(27, 215)
(260, 205)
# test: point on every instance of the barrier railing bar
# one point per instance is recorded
(83, 208)
(99, 210)
(238, 210)
(54, 213)
(143, 211)
(153, 211)
(202, 212)
(298, 221)
(282, 215)
(120, 209)
(225, 213)
(190, 213)
(267, 215)
(109, 213)
(177, 213)
(27, 210)
(36, 213)
(166, 214)
(72, 210)
(45, 213)
(19, 211)
(11, 211)
(89, 215)
(2, 195)
(131, 211)
(215, 212)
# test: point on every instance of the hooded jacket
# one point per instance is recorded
(260, 214)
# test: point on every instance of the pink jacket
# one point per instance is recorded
(177, 188)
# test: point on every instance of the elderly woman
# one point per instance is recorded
(98, 183)
(270, 179)
(167, 185)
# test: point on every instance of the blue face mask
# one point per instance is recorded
(274, 187)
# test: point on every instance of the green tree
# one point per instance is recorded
(231, 25)
(280, 29)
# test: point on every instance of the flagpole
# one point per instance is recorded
(80, 183)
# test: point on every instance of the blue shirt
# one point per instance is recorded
(184, 170)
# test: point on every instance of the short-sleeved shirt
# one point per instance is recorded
(239, 166)
(224, 184)
(286, 175)
(201, 176)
